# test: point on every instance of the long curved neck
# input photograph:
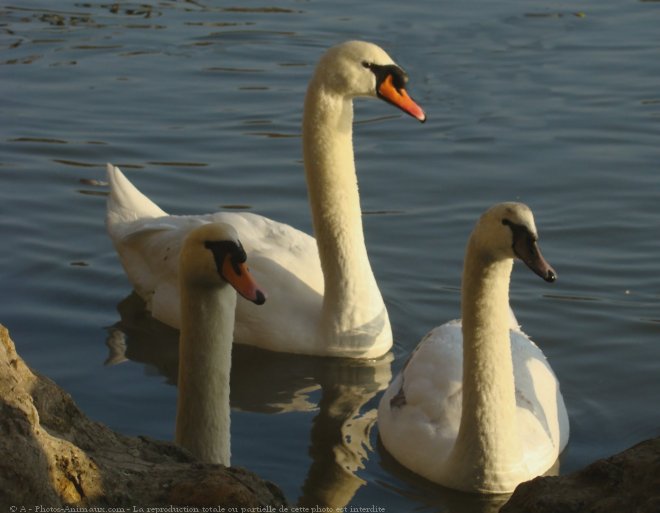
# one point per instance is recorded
(354, 319)
(487, 437)
(203, 412)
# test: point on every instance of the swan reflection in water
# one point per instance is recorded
(268, 382)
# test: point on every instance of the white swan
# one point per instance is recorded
(480, 409)
(212, 262)
(325, 300)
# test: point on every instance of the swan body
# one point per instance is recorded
(325, 300)
(211, 267)
(477, 407)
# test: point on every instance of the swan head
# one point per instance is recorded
(213, 256)
(359, 68)
(507, 230)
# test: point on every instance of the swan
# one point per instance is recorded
(325, 300)
(212, 261)
(477, 407)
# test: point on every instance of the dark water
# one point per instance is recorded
(554, 104)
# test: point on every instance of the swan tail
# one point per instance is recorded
(126, 203)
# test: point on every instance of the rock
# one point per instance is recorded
(628, 482)
(53, 455)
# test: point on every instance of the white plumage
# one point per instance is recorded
(477, 406)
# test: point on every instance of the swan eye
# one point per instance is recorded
(238, 256)
(222, 248)
(382, 72)
(520, 231)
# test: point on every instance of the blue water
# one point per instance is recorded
(200, 103)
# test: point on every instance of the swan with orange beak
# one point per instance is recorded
(324, 297)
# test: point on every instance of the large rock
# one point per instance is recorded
(53, 455)
(628, 482)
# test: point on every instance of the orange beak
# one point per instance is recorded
(399, 98)
(238, 276)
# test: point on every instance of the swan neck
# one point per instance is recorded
(487, 434)
(353, 318)
(203, 412)
(330, 173)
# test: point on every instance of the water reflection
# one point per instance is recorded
(267, 382)
(340, 432)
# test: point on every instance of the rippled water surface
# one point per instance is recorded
(554, 104)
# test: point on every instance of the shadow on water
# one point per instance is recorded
(269, 382)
